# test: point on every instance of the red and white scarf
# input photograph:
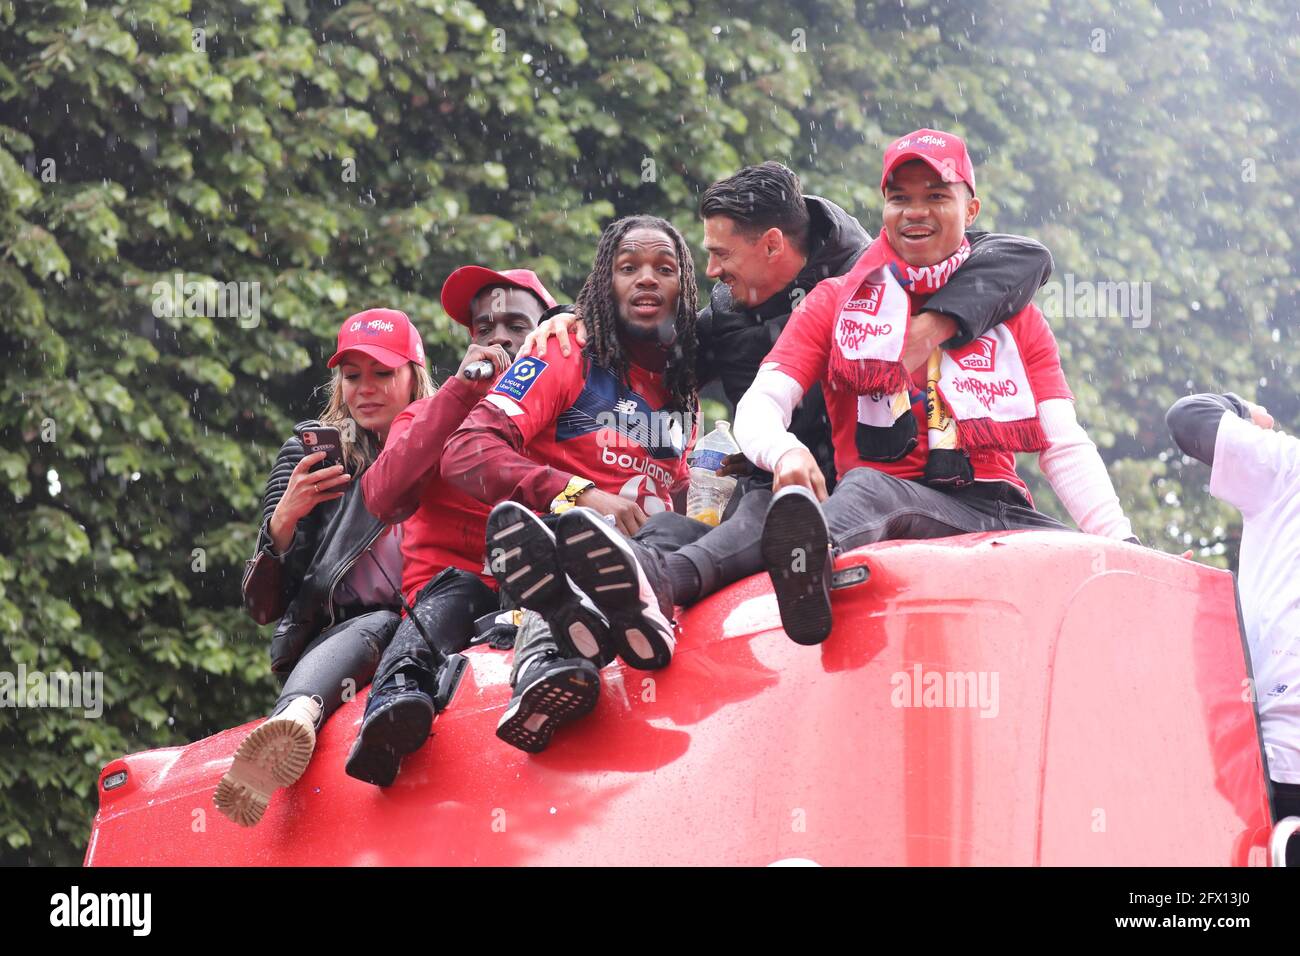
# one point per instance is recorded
(984, 384)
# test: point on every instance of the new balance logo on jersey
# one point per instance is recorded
(628, 427)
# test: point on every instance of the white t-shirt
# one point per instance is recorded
(1258, 472)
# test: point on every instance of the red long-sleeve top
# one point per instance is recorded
(550, 418)
(441, 526)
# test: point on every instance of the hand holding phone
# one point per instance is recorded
(324, 438)
(318, 477)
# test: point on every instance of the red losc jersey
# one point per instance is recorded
(569, 417)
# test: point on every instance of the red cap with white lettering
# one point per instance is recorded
(945, 153)
(386, 335)
(468, 281)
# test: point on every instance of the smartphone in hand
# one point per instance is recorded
(324, 438)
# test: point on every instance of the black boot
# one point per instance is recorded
(797, 553)
(550, 691)
(399, 715)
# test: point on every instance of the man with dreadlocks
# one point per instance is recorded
(601, 432)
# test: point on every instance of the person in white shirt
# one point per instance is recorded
(1257, 471)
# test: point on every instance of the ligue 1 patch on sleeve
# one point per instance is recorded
(520, 377)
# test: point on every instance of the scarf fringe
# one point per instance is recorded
(985, 433)
(869, 376)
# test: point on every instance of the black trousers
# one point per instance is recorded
(447, 608)
(867, 506)
(339, 661)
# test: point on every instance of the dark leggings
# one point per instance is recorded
(447, 608)
(339, 662)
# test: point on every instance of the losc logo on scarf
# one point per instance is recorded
(866, 299)
(980, 356)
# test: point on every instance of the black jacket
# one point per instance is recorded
(997, 281)
(298, 587)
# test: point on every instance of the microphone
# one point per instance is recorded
(477, 371)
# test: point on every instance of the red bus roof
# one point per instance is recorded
(997, 699)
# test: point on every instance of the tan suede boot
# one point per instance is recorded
(274, 755)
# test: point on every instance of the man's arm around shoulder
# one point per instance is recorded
(1000, 277)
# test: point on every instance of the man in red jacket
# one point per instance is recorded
(444, 576)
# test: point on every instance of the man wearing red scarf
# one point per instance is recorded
(922, 454)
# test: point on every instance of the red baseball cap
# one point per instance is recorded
(468, 281)
(386, 335)
(944, 152)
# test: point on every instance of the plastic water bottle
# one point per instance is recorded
(707, 497)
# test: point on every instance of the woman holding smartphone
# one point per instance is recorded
(324, 566)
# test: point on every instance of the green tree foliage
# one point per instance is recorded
(338, 156)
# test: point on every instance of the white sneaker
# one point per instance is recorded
(274, 755)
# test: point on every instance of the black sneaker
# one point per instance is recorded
(397, 721)
(550, 692)
(797, 554)
(628, 583)
(521, 553)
